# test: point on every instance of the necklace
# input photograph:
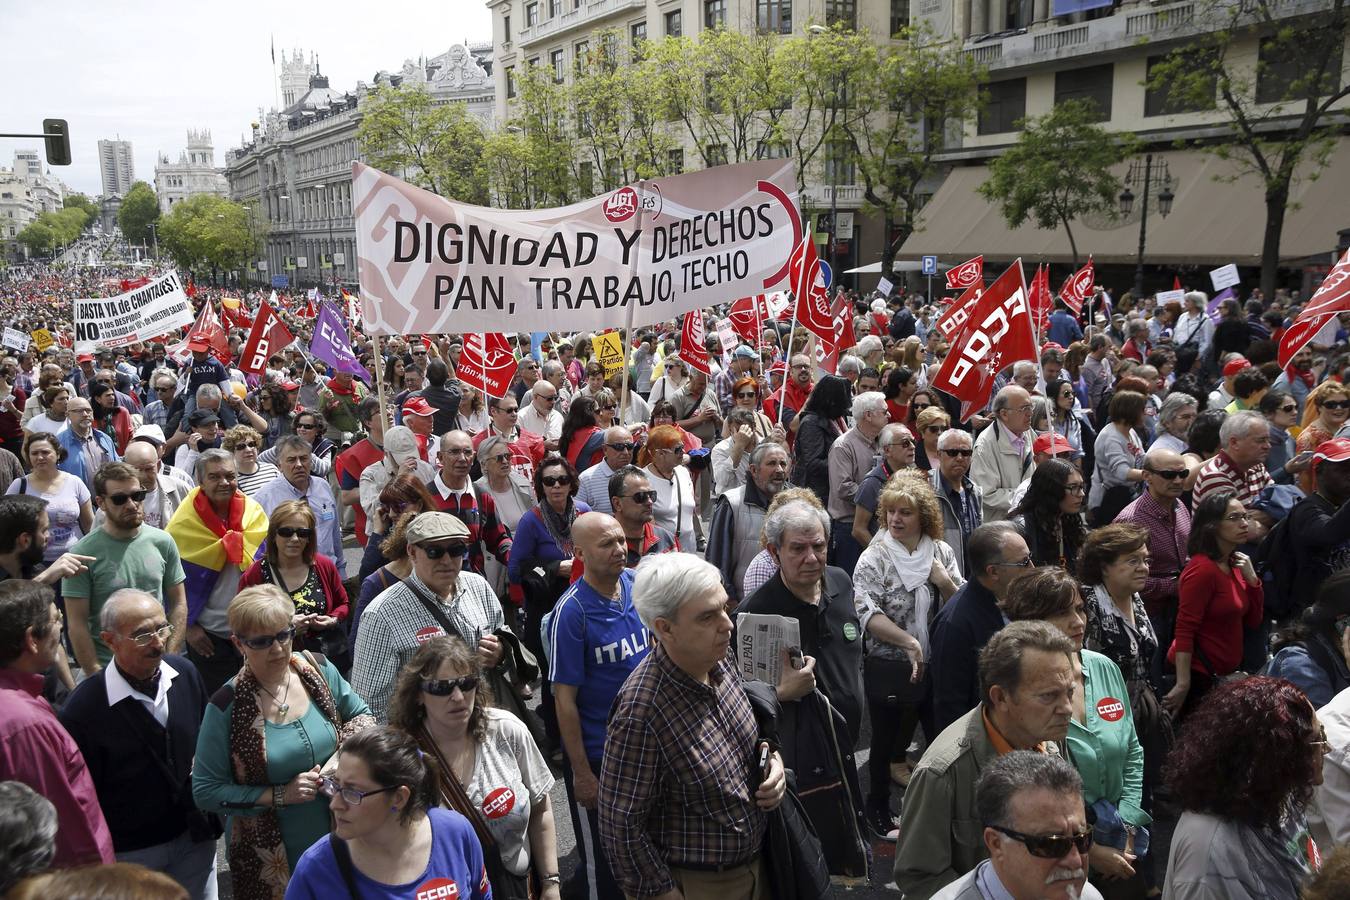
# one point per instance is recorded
(282, 707)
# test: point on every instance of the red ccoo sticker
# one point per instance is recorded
(620, 205)
(425, 634)
(499, 803)
(437, 889)
(1110, 709)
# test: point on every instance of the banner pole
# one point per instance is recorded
(378, 360)
(792, 332)
(627, 336)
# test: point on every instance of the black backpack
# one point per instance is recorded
(1274, 562)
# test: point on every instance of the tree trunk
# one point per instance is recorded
(1073, 245)
(1277, 201)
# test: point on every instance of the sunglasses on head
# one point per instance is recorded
(959, 452)
(288, 531)
(623, 447)
(554, 480)
(265, 641)
(119, 499)
(444, 687)
(1050, 846)
(642, 496)
(1169, 474)
(436, 551)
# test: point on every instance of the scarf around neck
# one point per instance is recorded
(559, 525)
(913, 568)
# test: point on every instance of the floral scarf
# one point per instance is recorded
(559, 525)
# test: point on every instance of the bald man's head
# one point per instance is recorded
(144, 458)
(600, 543)
(1165, 474)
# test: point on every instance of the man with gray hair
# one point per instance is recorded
(962, 507)
(27, 833)
(1035, 832)
(733, 535)
(1240, 464)
(677, 815)
(897, 452)
(297, 483)
(1025, 702)
(1002, 457)
(593, 484)
(850, 367)
(136, 723)
(851, 457)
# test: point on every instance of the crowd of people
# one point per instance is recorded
(1095, 640)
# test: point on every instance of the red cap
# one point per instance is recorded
(1050, 345)
(1234, 366)
(290, 385)
(1335, 450)
(1052, 442)
(780, 367)
(85, 357)
(417, 406)
(198, 344)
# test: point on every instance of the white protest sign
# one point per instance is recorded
(885, 286)
(148, 311)
(16, 339)
(430, 265)
(729, 339)
(1224, 276)
(1165, 297)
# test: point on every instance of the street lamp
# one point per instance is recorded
(154, 233)
(1149, 179)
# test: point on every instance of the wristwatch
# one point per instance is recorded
(278, 796)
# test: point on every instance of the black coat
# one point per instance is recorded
(811, 454)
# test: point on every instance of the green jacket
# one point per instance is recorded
(941, 837)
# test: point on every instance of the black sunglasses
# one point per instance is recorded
(119, 499)
(1335, 404)
(959, 452)
(262, 643)
(436, 551)
(640, 497)
(1291, 407)
(554, 480)
(1050, 846)
(1169, 474)
(444, 687)
(288, 531)
(744, 394)
(622, 447)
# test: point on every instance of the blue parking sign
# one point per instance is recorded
(930, 265)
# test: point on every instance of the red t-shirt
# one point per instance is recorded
(349, 466)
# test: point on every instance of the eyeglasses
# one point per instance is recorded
(1289, 407)
(1050, 846)
(1239, 517)
(288, 532)
(267, 640)
(458, 451)
(436, 551)
(746, 395)
(501, 458)
(119, 499)
(307, 426)
(919, 407)
(508, 411)
(903, 442)
(1075, 488)
(161, 634)
(1322, 743)
(555, 480)
(609, 407)
(622, 447)
(350, 796)
(640, 497)
(802, 367)
(164, 390)
(419, 353)
(1335, 404)
(247, 445)
(444, 687)
(546, 399)
(1169, 474)
(1025, 563)
(959, 452)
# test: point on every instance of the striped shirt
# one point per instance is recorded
(1221, 474)
(265, 475)
(479, 515)
(396, 623)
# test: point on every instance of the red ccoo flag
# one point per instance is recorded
(814, 311)
(828, 353)
(487, 363)
(208, 328)
(694, 343)
(954, 318)
(966, 275)
(1040, 301)
(268, 336)
(1077, 287)
(747, 316)
(998, 334)
(1331, 299)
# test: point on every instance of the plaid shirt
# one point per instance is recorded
(479, 515)
(1169, 530)
(675, 783)
(396, 623)
(1221, 474)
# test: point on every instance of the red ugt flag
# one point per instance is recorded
(693, 343)
(998, 334)
(1332, 298)
(1040, 301)
(1077, 287)
(966, 275)
(487, 363)
(208, 328)
(269, 335)
(808, 287)
(746, 314)
(827, 354)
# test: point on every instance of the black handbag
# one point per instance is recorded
(888, 681)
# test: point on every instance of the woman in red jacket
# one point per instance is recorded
(582, 442)
(1220, 596)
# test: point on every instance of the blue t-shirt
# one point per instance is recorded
(455, 869)
(593, 643)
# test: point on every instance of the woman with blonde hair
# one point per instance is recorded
(246, 443)
(265, 736)
(929, 424)
(1324, 413)
(906, 574)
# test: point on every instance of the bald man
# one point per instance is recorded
(1161, 513)
(164, 493)
(593, 641)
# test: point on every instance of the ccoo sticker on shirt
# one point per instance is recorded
(1110, 709)
(499, 803)
(850, 631)
(425, 634)
(437, 889)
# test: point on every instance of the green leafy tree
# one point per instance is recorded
(1059, 170)
(53, 230)
(931, 86)
(38, 237)
(140, 209)
(1282, 110)
(506, 165)
(546, 122)
(80, 201)
(207, 232)
(437, 146)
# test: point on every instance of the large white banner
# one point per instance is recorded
(147, 311)
(433, 266)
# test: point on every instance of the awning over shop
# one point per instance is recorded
(1214, 219)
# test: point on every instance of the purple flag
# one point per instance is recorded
(1212, 310)
(333, 346)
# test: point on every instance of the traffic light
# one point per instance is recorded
(57, 135)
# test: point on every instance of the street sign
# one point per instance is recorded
(826, 273)
(281, 281)
(340, 259)
(262, 265)
(929, 265)
(302, 262)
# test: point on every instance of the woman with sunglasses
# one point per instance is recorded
(673, 378)
(274, 405)
(1050, 514)
(930, 423)
(1281, 412)
(1324, 413)
(244, 442)
(311, 579)
(264, 739)
(582, 441)
(488, 767)
(1243, 775)
(390, 839)
(662, 459)
(745, 395)
(606, 407)
(543, 542)
(1101, 744)
(405, 492)
(1068, 420)
(1220, 595)
(1309, 652)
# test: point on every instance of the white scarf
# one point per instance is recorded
(913, 568)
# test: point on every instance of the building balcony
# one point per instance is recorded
(587, 16)
(846, 196)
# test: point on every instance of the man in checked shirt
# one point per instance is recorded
(678, 815)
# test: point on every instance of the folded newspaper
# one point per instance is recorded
(760, 641)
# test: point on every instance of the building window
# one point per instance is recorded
(554, 8)
(839, 162)
(1005, 104)
(772, 150)
(774, 16)
(637, 33)
(1159, 101)
(1284, 75)
(1090, 83)
(899, 16)
(580, 51)
(586, 178)
(674, 162)
(555, 60)
(717, 155)
(510, 81)
(714, 13)
(1019, 14)
(531, 15)
(674, 26)
(506, 29)
(841, 12)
